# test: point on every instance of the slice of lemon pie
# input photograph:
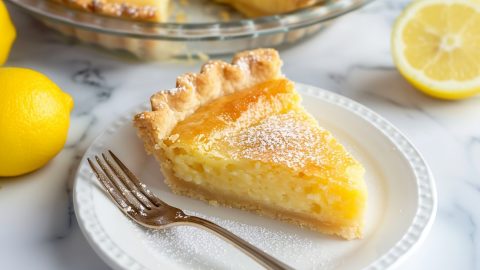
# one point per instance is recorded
(236, 135)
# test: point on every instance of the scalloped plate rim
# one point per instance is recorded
(411, 240)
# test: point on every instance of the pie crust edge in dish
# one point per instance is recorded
(121, 9)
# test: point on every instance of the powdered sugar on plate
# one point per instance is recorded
(193, 248)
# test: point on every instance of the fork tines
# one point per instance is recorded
(131, 196)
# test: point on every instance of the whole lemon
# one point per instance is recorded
(7, 35)
(34, 120)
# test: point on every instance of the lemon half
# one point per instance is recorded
(436, 46)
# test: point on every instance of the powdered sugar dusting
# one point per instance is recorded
(194, 248)
(243, 64)
(284, 138)
(173, 91)
(250, 58)
(211, 64)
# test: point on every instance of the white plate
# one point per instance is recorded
(401, 205)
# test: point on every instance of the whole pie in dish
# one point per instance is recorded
(158, 10)
(236, 135)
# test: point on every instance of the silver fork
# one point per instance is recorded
(140, 204)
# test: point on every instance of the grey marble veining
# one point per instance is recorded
(352, 57)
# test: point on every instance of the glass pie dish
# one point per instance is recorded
(198, 30)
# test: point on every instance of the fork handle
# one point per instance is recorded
(253, 252)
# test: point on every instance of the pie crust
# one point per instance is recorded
(193, 90)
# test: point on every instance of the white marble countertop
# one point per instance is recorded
(38, 229)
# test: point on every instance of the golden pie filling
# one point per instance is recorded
(266, 7)
(260, 144)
